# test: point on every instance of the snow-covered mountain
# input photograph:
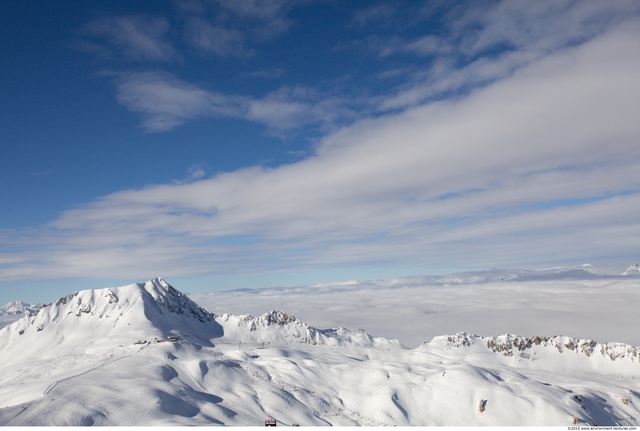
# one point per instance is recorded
(632, 270)
(288, 329)
(146, 354)
(18, 308)
(109, 316)
(577, 272)
(14, 310)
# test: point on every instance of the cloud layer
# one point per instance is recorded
(415, 310)
(538, 165)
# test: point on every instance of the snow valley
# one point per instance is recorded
(147, 354)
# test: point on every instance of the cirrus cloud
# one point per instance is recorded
(139, 38)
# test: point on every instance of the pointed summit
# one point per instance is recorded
(632, 270)
(164, 296)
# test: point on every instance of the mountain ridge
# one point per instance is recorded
(528, 348)
(146, 354)
(18, 307)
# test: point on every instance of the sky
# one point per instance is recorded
(229, 144)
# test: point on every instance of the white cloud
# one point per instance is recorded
(424, 46)
(214, 39)
(166, 102)
(538, 167)
(481, 42)
(227, 28)
(428, 45)
(195, 173)
(444, 80)
(376, 14)
(267, 19)
(290, 108)
(518, 25)
(271, 73)
(140, 38)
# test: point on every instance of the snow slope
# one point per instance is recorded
(145, 354)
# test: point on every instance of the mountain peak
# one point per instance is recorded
(155, 294)
(113, 316)
(18, 307)
(632, 270)
(173, 300)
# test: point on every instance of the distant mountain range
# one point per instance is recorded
(12, 311)
(146, 354)
(18, 308)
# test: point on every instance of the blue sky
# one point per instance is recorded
(225, 144)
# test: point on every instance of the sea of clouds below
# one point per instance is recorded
(414, 310)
